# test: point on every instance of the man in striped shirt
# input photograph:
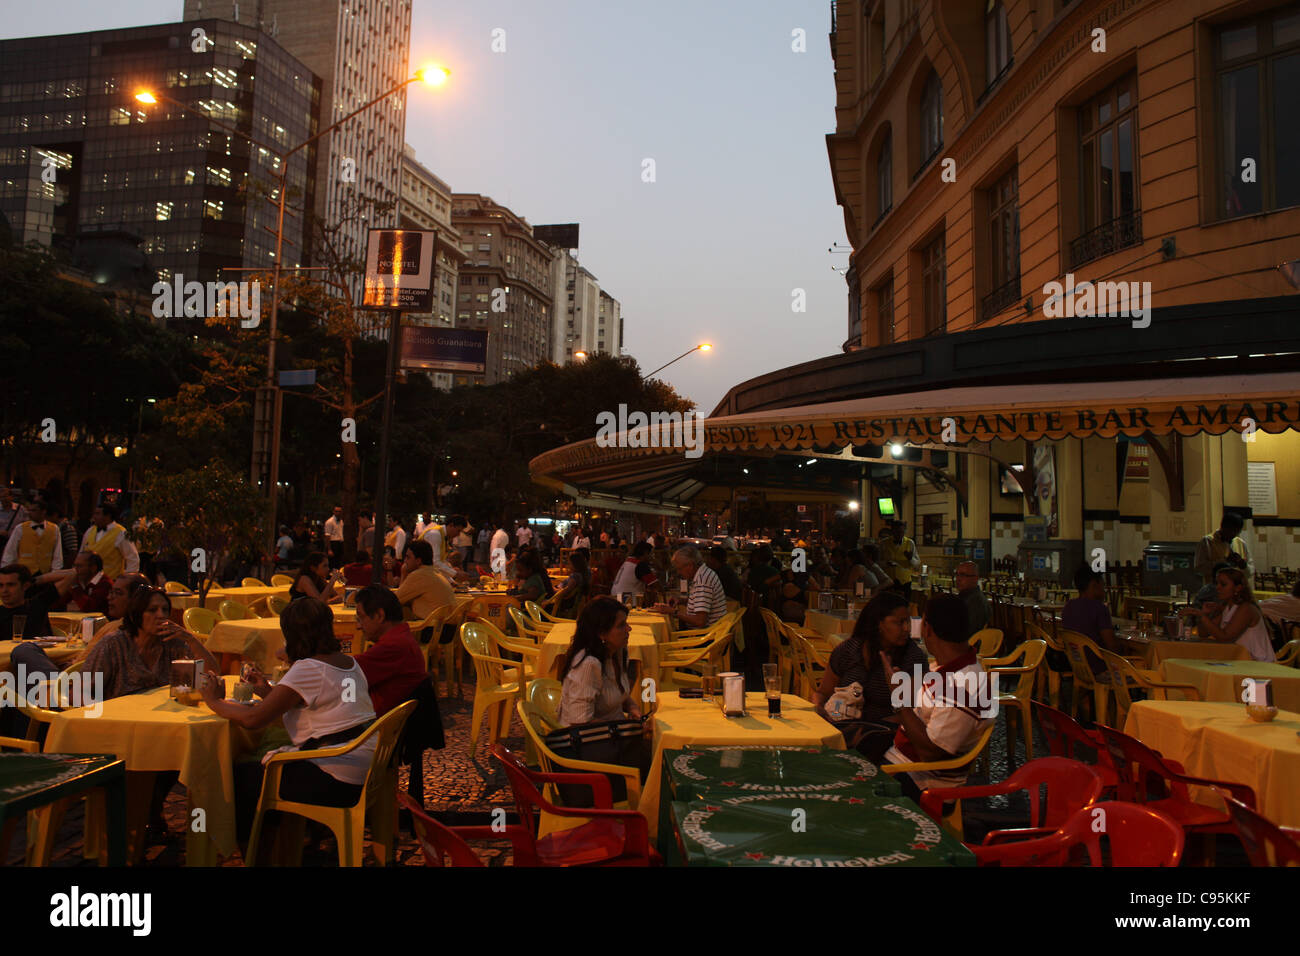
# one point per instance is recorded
(706, 602)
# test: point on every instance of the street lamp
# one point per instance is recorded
(702, 347)
(579, 356)
(432, 75)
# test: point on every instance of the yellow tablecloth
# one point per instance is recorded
(655, 621)
(1222, 680)
(58, 654)
(1218, 741)
(830, 624)
(71, 620)
(641, 646)
(151, 732)
(259, 638)
(1156, 604)
(244, 596)
(679, 723)
(495, 604)
(1159, 650)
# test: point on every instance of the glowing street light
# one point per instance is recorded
(433, 74)
(580, 356)
(702, 347)
(144, 96)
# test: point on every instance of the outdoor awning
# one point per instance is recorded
(650, 464)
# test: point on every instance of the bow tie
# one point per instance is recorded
(38, 527)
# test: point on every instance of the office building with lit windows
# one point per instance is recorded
(194, 198)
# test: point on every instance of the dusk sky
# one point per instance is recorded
(557, 127)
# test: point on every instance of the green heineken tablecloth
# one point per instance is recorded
(812, 830)
(31, 781)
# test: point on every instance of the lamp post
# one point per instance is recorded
(702, 347)
(432, 75)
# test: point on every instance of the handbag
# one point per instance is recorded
(618, 741)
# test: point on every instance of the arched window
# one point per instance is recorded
(931, 118)
(997, 41)
(885, 176)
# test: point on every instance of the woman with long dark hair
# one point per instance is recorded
(139, 654)
(534, 582)
(577, 588)
(855, 690)
(311, 581)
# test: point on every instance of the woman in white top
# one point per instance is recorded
(1235, 616)
(325, 702)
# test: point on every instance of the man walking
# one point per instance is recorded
(334, 536)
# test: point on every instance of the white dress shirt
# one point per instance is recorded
(434, 536)
(130, 556)
(333, 528)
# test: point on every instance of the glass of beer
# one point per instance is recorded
(708, 679)
(20, 625)
(772, 687)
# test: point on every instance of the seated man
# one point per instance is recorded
(716, 558)
(86, 587)
(360, 572)
(944, 717)
(1088, 614)
(15, 580)
(967, 578)
(1285, 608)
(423, 588)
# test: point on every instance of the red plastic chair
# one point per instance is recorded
(1063, 732)
(1070, 785)
(1136, 836)
(1168, 777)
(1259, 834)
(608, 838)
(446, 846)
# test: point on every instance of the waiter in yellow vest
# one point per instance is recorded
(108, 539)
(901, 558)
(35, 544)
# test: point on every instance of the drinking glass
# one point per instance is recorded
(20, 625)
(772, 687)
(708, 680)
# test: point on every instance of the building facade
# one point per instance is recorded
(505, 286)
(359, 49)
(993, 159)
(81, 159)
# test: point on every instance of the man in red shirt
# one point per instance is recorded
(394, 665)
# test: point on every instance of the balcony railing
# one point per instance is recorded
(1001, 297)
(1119, 233)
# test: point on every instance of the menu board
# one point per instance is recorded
(1261, 479)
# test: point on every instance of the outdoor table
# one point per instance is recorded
(1223, 680)
(495, 604)
(58, 653)
(840, 830)
(153, 733)
(1158, 605)
(244, 596)
(31, 781)
(679, 723)
(1218, 741)
(259, 638)
(1156, 650)
(656, 621)
(641, 646)
(831, 624)
(71, 620)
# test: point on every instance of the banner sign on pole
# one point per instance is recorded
(399, 270)
(440, 349)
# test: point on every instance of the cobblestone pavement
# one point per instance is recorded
(460, 790)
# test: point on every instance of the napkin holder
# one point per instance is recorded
(733, 694)
(187, 676)
(1258, 695)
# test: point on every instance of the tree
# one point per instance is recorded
(206, 515)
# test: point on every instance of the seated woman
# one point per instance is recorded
(138, 655)
(325, 702)
(855, 690)
(534, 584)
(577, 587)
(598, 686)
(312, 582)
(1235, 617)
(855, 570)
(871, 560)
(394, 665)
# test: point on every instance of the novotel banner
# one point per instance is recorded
(444, 350)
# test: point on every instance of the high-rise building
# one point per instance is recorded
(81, 160)
(359, 49)
(505, 285)
(587, 319)
(426, 204)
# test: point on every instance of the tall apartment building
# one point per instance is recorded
(426, 204)
(505, 285)
(587, 319)
(359, 49)
(81, 161)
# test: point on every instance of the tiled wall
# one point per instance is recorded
(1123, 541)
(1273, 547)
(1006, 538)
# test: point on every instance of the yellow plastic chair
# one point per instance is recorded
(537, 725)
(542, 616)
(498, 683)
(276, 604)
(175, 587)
(199, 620)
(527, 627)
(986, 642)
(1022, 664)
(528, 650)
(779, 647)
(1125, 677)
(348, 824)
(544, 694)
(436, 619)
(1289, 654)
(252, 583)
(233, 611)
(281, 581)
(259, 608)
(952, 821)
(1077, 648)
